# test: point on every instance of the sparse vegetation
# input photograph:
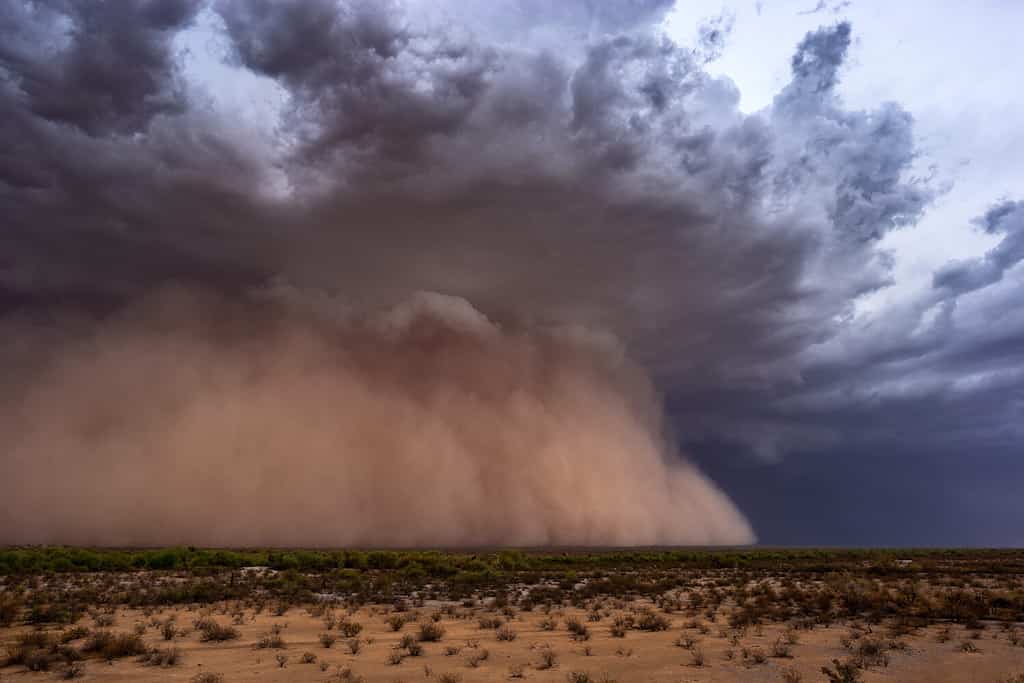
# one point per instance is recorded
(727, 604)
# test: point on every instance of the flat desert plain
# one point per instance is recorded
(661, 623)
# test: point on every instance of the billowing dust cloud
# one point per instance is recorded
(193, 418)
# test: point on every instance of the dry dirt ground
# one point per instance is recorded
(927, 654)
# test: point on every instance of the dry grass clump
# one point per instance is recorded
(72, 671)
(271, 641)
(10, 610)
(686, 642)
(328, 639)
(103, 620)
(842, 672)
(791, 675)
(349, 629)
(210, 631)
(577, 628)
(168, 630)
(584, 677)
(649, 621)
(753, 655)
(161, 657)
(548, 659)
(431, 632)
(478, 657)
(396, 622)
(781, 648)
(74, 633)
(207, 677)
(490, 622)
(112, 646)
(506, 633)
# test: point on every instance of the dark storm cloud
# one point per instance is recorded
(99, 66)
(552, 163)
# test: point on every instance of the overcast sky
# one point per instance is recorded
(804, 219)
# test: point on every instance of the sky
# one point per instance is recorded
(757, 267)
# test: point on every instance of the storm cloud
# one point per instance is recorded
(553, 165)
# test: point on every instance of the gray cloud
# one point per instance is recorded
(1006, 219)
(553, 164)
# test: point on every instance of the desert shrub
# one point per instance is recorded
(548, 659)
(168, 630)
(346, 673)
(210, 631)
(308, 658)
(354, 645)
(349, 629)
(449, 677)
(396, 622)
(282, 659)
(103, 620)
(490, 622)
(506, 633)
(649, 621)
(584, 677)
(478, 657)
(517, 671)
(10, 610)
(697, 657)
(114, 645)
(72, 671)
(686, 642)
(842, 672)
(161, 657)
(781, 648)
(1014, 678)
(753, 655)
(395, 658)
(431, 632)
(791, 675)
(26, 645)
(577, 628)
(271, 641)
(207, 677)
(870, 652)
(548, 624)
(74, 633)
(969, 647)
(327, 639)
(452, 650)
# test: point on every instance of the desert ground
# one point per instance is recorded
(656, 616)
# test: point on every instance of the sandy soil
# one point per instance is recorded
(639, 656)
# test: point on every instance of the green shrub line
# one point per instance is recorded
(478, 565)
